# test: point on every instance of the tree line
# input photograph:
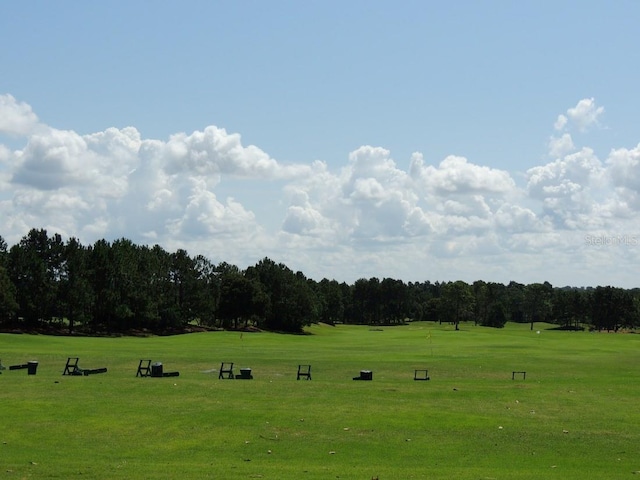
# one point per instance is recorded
(120, 287)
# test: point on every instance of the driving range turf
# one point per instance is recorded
(575, 416)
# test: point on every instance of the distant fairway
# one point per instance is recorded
(576, 416)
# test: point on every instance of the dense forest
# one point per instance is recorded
(47, 284)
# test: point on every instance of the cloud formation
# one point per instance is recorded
(209, 193)
(16, 118)
(584, 116)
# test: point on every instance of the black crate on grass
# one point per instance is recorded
(32, 367)
(156, 369)
(365, 375)
(245, 374)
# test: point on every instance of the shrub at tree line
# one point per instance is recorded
(120, 287)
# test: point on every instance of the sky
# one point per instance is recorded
(415, 140)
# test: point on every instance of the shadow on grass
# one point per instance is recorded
(567, 328)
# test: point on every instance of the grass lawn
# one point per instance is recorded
(576, 416)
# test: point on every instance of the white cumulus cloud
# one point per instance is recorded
(624, 171)
(456, 175)
(209, 193)
(16, 118)
(560, 123)
(214, 151)
(585, 114)
(561, 146)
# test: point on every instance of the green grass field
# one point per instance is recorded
(576, 416)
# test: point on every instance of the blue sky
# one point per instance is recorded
(417, 140)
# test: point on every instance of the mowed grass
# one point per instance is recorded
(576, 416)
